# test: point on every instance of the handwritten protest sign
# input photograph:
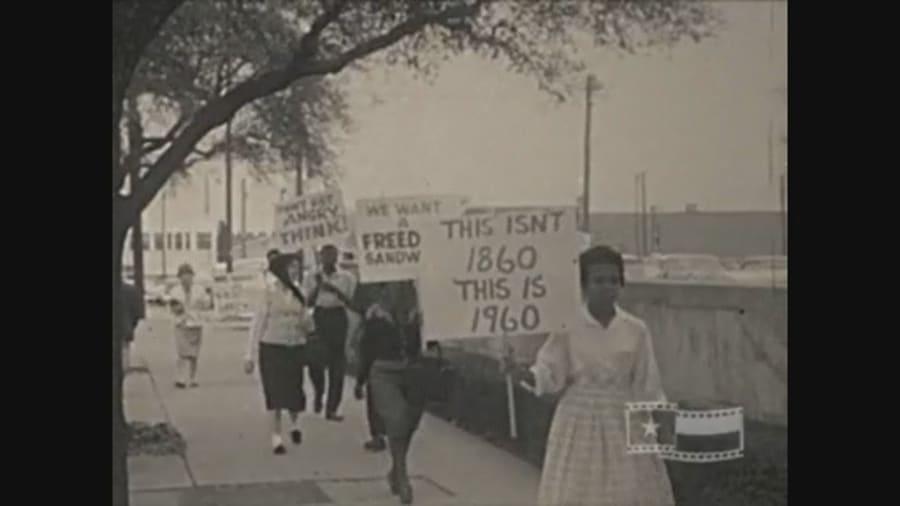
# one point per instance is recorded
(310, 222)
(389, 236)
(235, 298)
(501, 274)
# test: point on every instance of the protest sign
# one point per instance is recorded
(234, 299)
(509, 273)
(389, 234)
(310, 222)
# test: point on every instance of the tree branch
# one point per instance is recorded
(208, 153)
(151, 144)
(219, 110)
(404, 29)
(309, 44)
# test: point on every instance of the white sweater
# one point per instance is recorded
(280, 319)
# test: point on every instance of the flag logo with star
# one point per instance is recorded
(686, 435)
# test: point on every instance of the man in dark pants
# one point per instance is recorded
(331, 291)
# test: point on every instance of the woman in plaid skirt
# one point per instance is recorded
(604, 361)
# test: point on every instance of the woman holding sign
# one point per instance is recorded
(390, 343)
(605, 361)
(280, 330)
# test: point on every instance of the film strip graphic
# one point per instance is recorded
(662, 428)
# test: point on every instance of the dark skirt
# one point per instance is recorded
(281, 369)
(397, 400)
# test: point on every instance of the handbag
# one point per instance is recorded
(433, 375)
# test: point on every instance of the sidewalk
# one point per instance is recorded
(229, 461)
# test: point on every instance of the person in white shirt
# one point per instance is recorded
(602, 362)
(278, 337)
(189, 303)
(330, 292)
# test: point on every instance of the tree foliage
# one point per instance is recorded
(204, 49)
(297, 44)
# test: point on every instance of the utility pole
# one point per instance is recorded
(165, 244)
(590, 86)
(228, 218)
(244, 217)
(299, 181)
(206, 193)
(644, 231)
(637, 215)
(299, 188)
(783, 201)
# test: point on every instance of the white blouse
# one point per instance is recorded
(619, 356)
(341, 279)
(279, 319)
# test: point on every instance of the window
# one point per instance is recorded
(178, 241)
(204, 240)
(159, 242)
(145, 241)
(187, 241)
(168, 240)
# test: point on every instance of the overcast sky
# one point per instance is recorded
(695, 118)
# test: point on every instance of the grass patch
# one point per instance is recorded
(157, 439)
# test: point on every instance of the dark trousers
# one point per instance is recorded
(376, 424)
(317, 377)
(331, 325)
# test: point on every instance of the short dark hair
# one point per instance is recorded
(185, 269)
(272, 253)
(328, 247)
(600, 255)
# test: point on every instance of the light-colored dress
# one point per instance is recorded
(600, 369)
(189, 325)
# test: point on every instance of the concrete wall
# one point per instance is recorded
(712, 343)
(717, 343)
(721, 233)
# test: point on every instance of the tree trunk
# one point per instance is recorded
(135, 24)
(120, 427)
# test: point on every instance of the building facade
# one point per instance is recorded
(165, 251)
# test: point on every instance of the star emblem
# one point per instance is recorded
(650, 428)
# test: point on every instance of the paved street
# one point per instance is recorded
(229, 461)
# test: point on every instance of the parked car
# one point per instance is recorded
(762, 270)
(691, 267)
(634, 268)
(156, 294)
